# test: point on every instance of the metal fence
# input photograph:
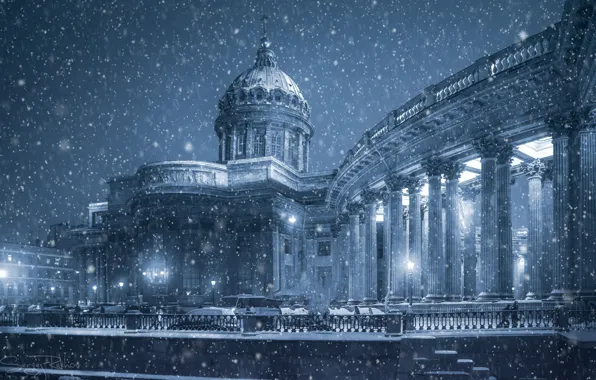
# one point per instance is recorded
(558, 319)
(482, 320)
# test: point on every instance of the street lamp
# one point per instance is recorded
(120, 284)
(410, 280)
(95, 291)
(213, 290)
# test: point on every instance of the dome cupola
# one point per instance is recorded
(263, 113)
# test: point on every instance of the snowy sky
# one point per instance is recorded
(92, 89)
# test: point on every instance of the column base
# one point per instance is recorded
(395, 299)
(369, 301)
(486, 296)
(352, 302)
(434, 298)
(454, 298)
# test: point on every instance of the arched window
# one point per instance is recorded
(277, 145)
(259, 144)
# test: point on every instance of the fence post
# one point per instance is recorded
(33, 320)
(394, 324)
(561, 318)
(248, 323)
(409, 321)
(132, 321)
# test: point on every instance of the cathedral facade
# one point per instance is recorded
(433, 202)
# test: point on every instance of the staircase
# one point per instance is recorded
(446, 365)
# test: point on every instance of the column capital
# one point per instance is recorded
(343, 218)
(505, 155)
(433, 166)
(562, 124)
(547, 175)
(452, 170)
(535, 169)
(354, 208)
(588, 117)
(369, 196)
(469, 193)
(414, 185)
(396, 182)
(335, 228)
(489, 146)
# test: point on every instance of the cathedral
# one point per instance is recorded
(480, 187)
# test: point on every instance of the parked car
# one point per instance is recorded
(249, 304)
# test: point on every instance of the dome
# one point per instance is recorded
(264, 83)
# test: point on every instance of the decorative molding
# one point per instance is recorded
(343, 218)
(335, 229)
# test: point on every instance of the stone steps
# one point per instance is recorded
(446, 365)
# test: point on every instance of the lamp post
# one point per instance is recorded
(120, 284)
(213, 290)
(95, 292)
(52, 290)
(410, 280)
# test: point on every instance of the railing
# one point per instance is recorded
(12, 319)
(482, 320)
(512, 56)
(546, 318)
(581, 320)
(327, 323)
(188, 322)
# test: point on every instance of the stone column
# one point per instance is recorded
(277, 259)
(414, 253)
(344, 238)
(370, 199)
(311, 254)
(300, 151)
(504, 237)
(534, 273)
(488, 147)
(547, 230)
(354, 235)
(453, 256)
(469, 227)
(397, 257)
(587, 204)
(561, 214)
(434, 169)
(386, 196)
(335, 259)
(360, 262)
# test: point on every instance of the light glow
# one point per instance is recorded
(292, 219)
(3, 273)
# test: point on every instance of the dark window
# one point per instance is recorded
(277, 145)
(287, 247)
(259, 145)
(324, 248)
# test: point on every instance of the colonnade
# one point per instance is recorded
(561, 252)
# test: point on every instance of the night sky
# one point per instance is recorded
(93, 89)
